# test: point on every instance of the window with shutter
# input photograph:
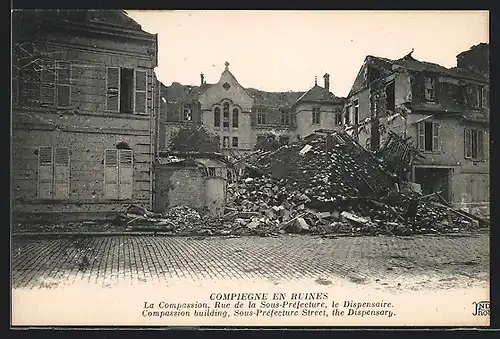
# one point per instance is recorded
(111, 174)
(467, 144)
(126, 179)
(47, 82)
(480, 145)
(140, 82)
(113, 89)
(61, 173)
(421, 136)
(45, 172)
(63, 92)
(435, 137)
(486, 96)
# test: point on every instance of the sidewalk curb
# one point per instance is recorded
(105, 234)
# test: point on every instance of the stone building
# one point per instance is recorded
(84, 96)
(240, 116)
(444, 111)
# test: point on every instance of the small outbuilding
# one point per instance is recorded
(195, 180)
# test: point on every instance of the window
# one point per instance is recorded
(235, 118)
(356, 112)
(217, 139)
(53, 173)
(63, 80)
(348, 115)
(430, 88)
(475, 96)
(126, 90)
(316, 115)
(474, 144)
(211, 171)
(118, 174)
(284, 139)
(338, 119)
(261, 116)
(428, 136)
(217, 117)
(187, 114)
(235, 142)
(225, 142)
(226, 115)
(285, 117)
(390, 97)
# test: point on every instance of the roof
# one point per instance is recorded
(408, 62)
(319, 94)
(178, 92)
(274, 98)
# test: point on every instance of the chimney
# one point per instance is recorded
(202, 79)
(327, 82)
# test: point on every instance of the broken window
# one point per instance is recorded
(53, 173)
(316, 115)
(474, 96)
(428, 136)
(474, 144)
(430, 88)
(187, 114)
(126, 90)
(217, 117)
(338, 119)
(390, 97)
(118, 174)
(235, 118)
(261, 116)
(284, 139)
(348, 115)
(225, 142)
(285, 117)
(235, 142)
(356, 112)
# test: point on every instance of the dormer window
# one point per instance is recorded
(430, 88)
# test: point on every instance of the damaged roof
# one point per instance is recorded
(274, 98)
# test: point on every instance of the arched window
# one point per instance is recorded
(235, 118)
(217, 117)
(226, 115)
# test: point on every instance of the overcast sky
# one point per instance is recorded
(285, 50)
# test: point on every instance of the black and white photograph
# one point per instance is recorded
(250, 168)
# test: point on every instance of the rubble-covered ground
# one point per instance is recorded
(326, 184)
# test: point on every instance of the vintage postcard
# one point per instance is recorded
(250, 168)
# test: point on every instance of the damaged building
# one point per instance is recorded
(240, 117)
(445, 112)
(84, 96)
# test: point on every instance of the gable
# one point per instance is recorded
(227, 88)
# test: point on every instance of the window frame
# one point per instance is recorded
(316, 115)
(432, 80)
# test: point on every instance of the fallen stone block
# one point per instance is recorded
(252, 225)
(353, 218)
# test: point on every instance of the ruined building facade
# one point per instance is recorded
(240, 116)
(444, 111)
(84, 96)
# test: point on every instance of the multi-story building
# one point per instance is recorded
(444, 111)
(84, 96)
(240, 116)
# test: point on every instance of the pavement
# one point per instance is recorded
(413, 262)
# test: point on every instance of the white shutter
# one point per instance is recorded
(111, 174)
(113, 89)
(61, 173)
(47, 82)
(45, 172)
(126, 170)
(435, 137)
(421, 136)
(140, 83)
(467, 144)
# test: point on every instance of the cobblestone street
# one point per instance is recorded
(405, 262)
